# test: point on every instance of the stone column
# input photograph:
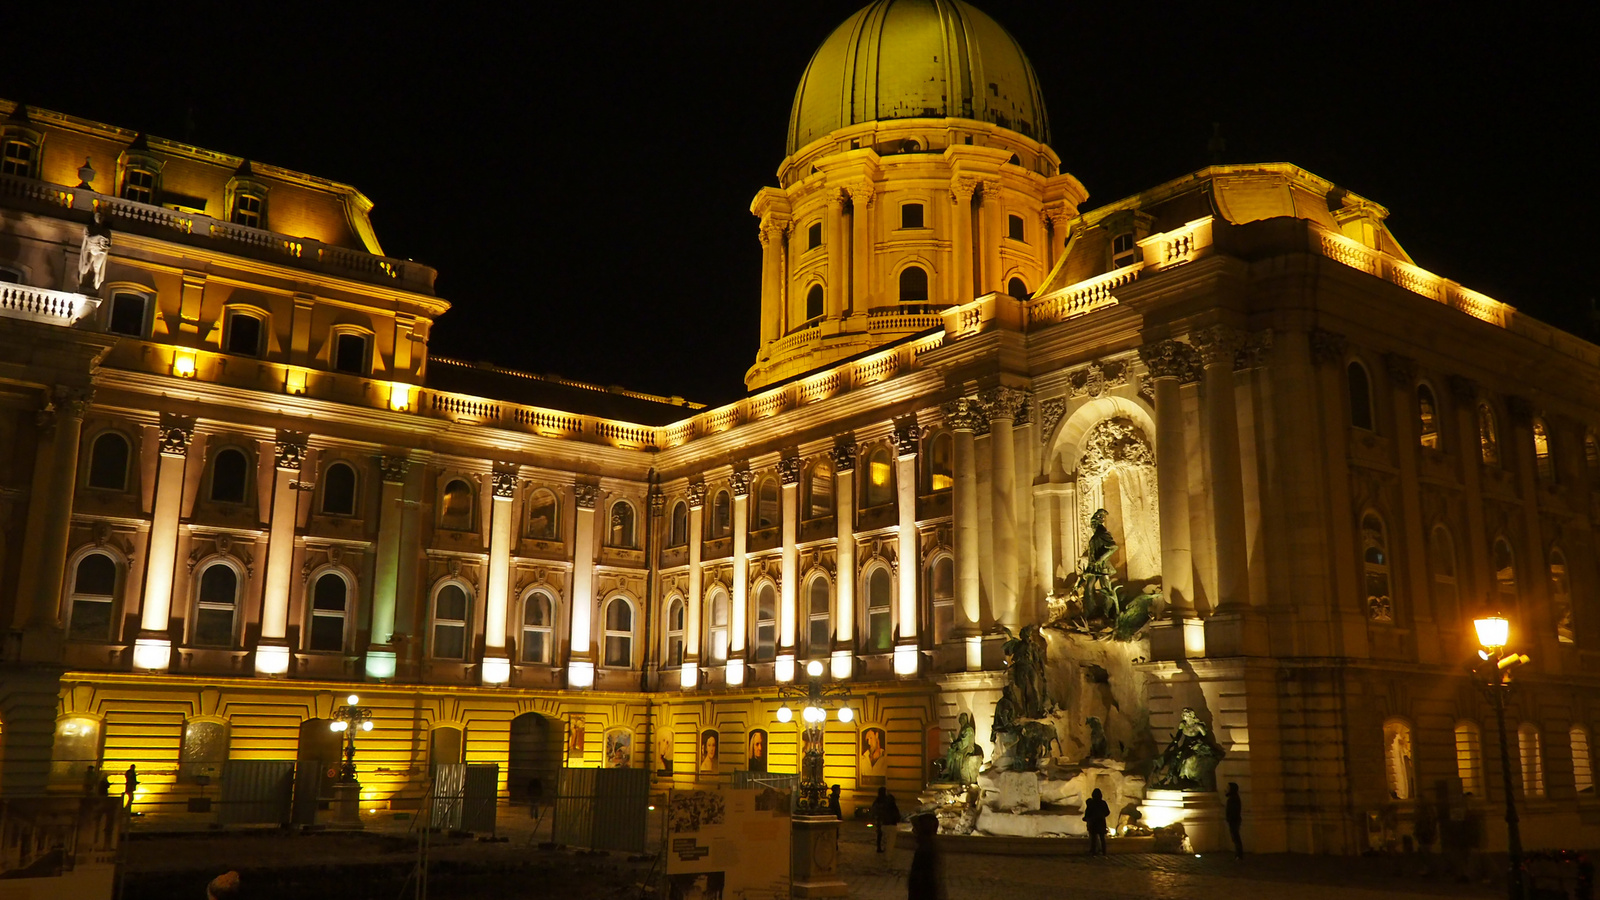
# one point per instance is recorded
(961, 191)
(861, 197)
(741, 575)
(272, 651)
(844, 514)
(994, 231)
(1060, 224)
(770, 235)
(580, 651)
(64, 414)
(905, 652)
(1218, 345)
(1004, 405)
(496, 664)
(838, 250)
(691, 637)
(789, 472)
(1170, 363)
(386, 575)
(1044, 548)
(964, 415)
(153, 649)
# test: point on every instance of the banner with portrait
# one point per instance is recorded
(619, 748)
(710, 748)
(756, 751)
(577, 742)
(664, 742)
(872, 760)
(724, 844)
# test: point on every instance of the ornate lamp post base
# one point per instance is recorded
(347, 805)
(814, 857)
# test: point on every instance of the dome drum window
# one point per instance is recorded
(911, 215)
(913, 285)
(1016, 228)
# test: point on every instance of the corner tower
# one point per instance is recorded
(918, 176)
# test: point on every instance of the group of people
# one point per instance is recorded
(1096, 814)
(96, 783)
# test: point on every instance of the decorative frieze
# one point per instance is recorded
(844, 455)
(657, 501)
(697, 494)
(1051, 410)
(1170, 359)
(504, 483)
(789, 469)
(1005, 402)
(906, 434)
(1097, 378)
(176, 433)
(585, 494)
(289, 452)
(741, 480)
(1253, 353)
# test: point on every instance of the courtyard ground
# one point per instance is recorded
(164, 861)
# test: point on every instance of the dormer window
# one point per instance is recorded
(246, 198)
(19, 157)
(249, 210)
(139, 184)
(1124, 250)
(243, 333)
(350, 353)
(911, 215)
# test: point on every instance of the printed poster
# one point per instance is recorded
(872, 767)
(725, 844)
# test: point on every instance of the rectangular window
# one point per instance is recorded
(350, 354)
(18, 159)
(247, 210)
(535, 645)
(1014, 228)
(127, 315)
(139, 185)
(911, 215)
(244, 334)
(814, 236)
(1124, 252)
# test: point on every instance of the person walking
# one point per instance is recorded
(130, 785)
(885, 814)
(1235, 816)
(91, 781)
(925, 878)
(1095, 813)
(833, 804)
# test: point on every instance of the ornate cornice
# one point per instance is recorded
(1328, 347)
(905, 438)
(290, 450)
(504, 483)
(962, 188)
(393, 468)
(861, 193)
(1004, 402)
(176, 433)
(741, 480)
(1169, 359)
(585, 494)
(844, 456)
(789, 469)
(1218, 344)
(697, 494)
(964, 414)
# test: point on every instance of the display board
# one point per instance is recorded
(725, 843)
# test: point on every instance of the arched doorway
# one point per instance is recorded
(317, 759)
(535, 757)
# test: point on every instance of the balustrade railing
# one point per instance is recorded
(19, 301)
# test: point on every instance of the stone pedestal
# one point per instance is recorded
(347, 805)
(814, 855)
(1200, 812)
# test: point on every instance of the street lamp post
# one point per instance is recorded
(814, 838)
(348, 720)
(1495, 675)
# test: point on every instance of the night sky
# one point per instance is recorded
(581, 178)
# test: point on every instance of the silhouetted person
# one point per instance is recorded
(1095, 813)
(885, 814)
(1235, 816)
(833, 803)
(925, 880)
(91, 781)
(130, 785)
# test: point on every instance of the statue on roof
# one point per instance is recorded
(95, 252)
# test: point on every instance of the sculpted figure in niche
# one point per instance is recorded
(94, 253)
(1096, 580)
(1189, 763)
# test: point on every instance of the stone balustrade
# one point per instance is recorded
(19, 301)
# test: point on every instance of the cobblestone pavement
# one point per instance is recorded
(1148, 876)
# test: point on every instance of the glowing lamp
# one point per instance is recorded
(814, 668)
(815, 715)
(380, 663)
(496, 670)
(399, 397)
(1494, 632)
(272, 660)
(580, 674)
(183, 364)
(785, 714)
(352, 700)
(338, 725)
(783, 668)
(367, 725)
(689, 676)
(294, 382)
(846, 714)
(735, 671)
(152, 654)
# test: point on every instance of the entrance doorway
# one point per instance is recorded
(317, 762)
(535, 758)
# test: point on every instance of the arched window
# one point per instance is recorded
(1017, 289)
(108, 462)
(941, 462)
(722, 515)
(1582, 765)
(1469, 758)
(1427, 418)
(767, 510)
(127, 314)
(230, 473)
(216, 606)
(819, 489)
(1398, 757)
(619, 633)
(339, 490)
(450, 606)
(621, 534)
(243, 333)
(880, 628)
(913, 285)
(814, 304)
(1442, 560)
(819, 618)
(1530, 750)
(942, 597)
(329, 602)
(1561, 596)
(1360, 395)
(1375, 564)
(455, 510)
(544, 515)
(674, 630)
(717, 634)
(1505, 574)
(1543, 464)
(678, 525)
(538, 623)
(1488, 436)
(93, 595)
(766, 624)
(878, 475)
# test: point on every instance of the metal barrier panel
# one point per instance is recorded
(258, 792)
(307, 793)
(574, 811)
(602, 809)
(481, 794)
(449, 794)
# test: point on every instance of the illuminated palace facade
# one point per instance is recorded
(235, 485)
